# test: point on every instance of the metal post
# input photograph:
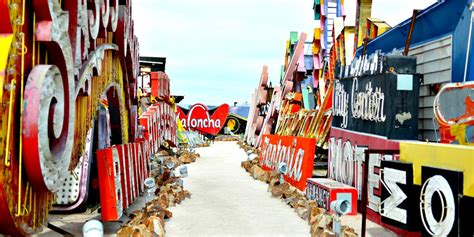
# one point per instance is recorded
(366, 41)
(364, 193)
(410, 32)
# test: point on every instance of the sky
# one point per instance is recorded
(216, 49)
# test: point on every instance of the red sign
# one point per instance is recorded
(198, 118)
(158, 125)
(160, 84)
(296, 152)
(111, 193)
(346, 157)
(325, 191)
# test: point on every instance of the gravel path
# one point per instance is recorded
(226, 201)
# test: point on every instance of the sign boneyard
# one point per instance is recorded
(68, 73)
(318, 218)
(439, 199)
(164, 189)
(347, 160)
(369, 110)
(384, 104)
(59, 61)
(413, 188)
(422, 189)
(296, 152)
(198, 118)
(425, 188)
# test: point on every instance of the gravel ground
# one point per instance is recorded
(226, 201)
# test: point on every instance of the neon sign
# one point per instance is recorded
(296, 152)
(198, 118)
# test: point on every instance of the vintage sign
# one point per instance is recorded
(443, 176)
(124, 177)
(234, 124)
(398, 206)
(324, 191)
(346, 158)
(160, 84)
(158, 126)
(255, 119)
(58, 58)
(382, 104)
(198, 118)
(69, 199)
(111, 193)
(454, 110)
(377, 63)
(440, 203)
(428, 189)
(296, 152)
(433, 208)
(122, 171)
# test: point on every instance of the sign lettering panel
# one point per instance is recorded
(296, 152)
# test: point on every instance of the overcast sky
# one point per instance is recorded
(215, 49)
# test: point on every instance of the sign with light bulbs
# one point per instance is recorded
(296, 152)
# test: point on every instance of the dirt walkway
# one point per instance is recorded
(226, 201)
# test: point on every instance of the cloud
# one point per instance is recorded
(394, 12)
(215, 49)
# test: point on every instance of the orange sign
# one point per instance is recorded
(296, 152)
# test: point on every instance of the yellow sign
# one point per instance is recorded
(181, 131)
(444, 156)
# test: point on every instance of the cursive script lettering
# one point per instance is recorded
(369, 104)
(341, 103)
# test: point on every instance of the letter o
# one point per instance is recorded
(437, 184)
